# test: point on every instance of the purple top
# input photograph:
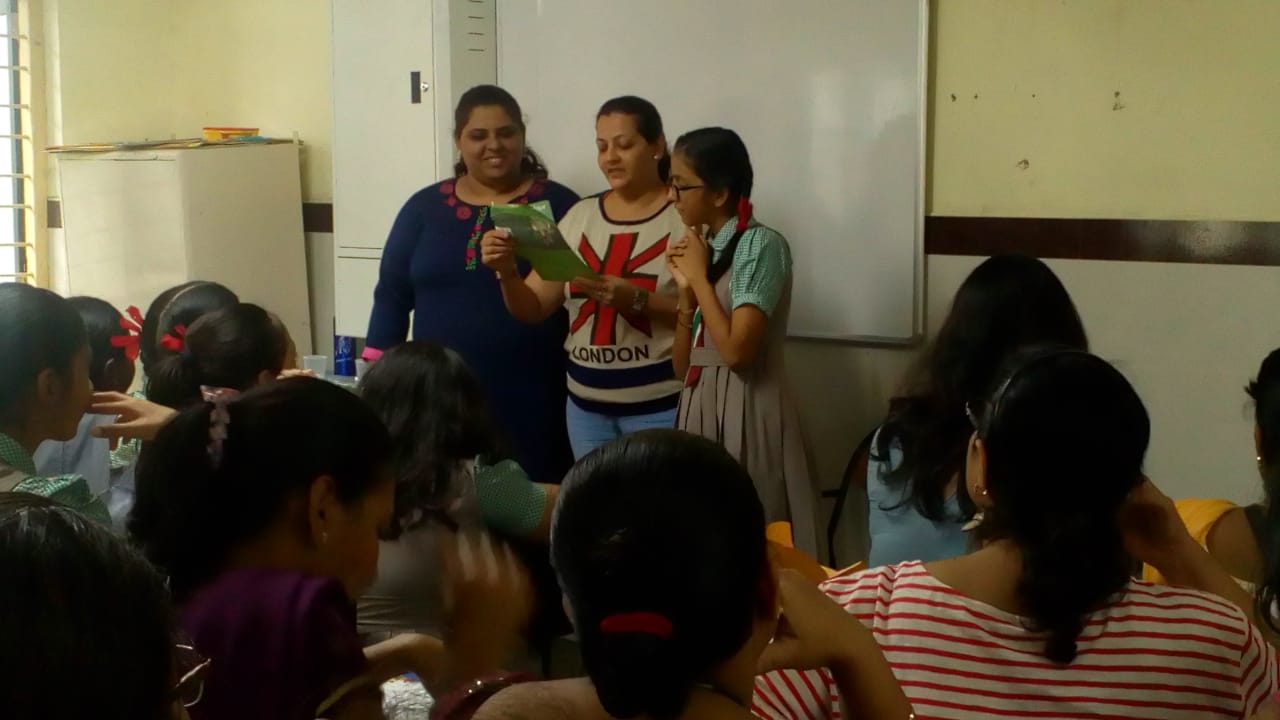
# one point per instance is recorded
(280, 642)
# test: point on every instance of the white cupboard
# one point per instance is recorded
(137, 222)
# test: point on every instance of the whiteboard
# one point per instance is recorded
(829, 96)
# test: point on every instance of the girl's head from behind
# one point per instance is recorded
(1057, 448)
(87, 622)
(1265, 391)
(1008, 302)
(659, 543)
(489, 131)
(437, 415)
(237, 347)
(110, 367)
(295, 470)
(44, 375)
(174, 310)
(631, 148)
(711, 176)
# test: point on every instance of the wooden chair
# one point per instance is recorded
(855, 474)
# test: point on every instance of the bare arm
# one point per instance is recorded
(1231, 542)
(543, 532)
(736, 336)
(1155, 534)
(815, 632)
(530, 299)
(736, 333)
(683, 345)
(422, 655)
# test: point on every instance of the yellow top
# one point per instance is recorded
(1199, 515)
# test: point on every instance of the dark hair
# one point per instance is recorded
(437, 415)
(1065, 435)
(101, 323)
(667, 523)
(1008, 302)
(179, 305)
(721, 160)
(228, 348)
(88, 626)
(492, 95)
(1265, 391)
(39, 330)
(648, 124)
(191, 512)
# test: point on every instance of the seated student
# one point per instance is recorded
(451, 474)
(115, 658)
(264, 511)
(44, 391)
(917, 506)
(234, 348)
(1043, 620)
(1246, 540)
(162, 328)
(112, 350)
(659, 542)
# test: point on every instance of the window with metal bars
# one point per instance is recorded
(16, 253)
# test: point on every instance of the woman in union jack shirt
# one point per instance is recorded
(620, 375)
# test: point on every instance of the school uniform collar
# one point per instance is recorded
(13, 455)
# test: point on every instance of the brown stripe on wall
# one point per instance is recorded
(1171, 241)
(1225, 242)
(317, 217)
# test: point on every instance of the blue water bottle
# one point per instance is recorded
(344, 356)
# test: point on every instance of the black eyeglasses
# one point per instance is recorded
(189, 689)
(681, 188)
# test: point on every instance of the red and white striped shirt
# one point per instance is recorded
(1156, 652)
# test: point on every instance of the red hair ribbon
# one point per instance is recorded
(744, 213)
(177, 341)
(131, 323)
(646, 623)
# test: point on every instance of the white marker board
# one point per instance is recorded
(829, 96)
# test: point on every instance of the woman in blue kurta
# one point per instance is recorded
(431, 266)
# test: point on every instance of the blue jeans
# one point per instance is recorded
(589, 430)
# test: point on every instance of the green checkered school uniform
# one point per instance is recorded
(18, 474)
(751, 412)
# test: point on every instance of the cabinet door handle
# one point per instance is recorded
(417, 87)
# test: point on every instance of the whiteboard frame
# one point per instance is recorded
(922, 165)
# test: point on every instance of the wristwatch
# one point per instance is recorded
(640, 301)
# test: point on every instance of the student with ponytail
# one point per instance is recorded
(237, 348)
(264, 510)
(1043, 620)
(734, 278)
(677, 608)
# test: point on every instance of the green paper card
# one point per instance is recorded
(538, 240)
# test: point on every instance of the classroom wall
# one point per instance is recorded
(1120, 109)
(139, 69)
(1076, 108)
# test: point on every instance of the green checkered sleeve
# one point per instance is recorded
(761, 267)
(509, 501)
